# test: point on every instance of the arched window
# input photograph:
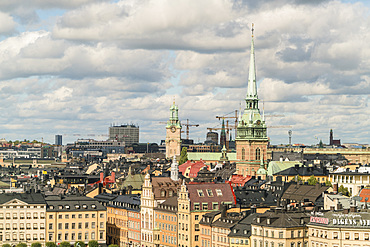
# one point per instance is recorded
(258, 154)
(243, 154)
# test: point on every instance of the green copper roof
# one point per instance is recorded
(277, 166)
(252, 86)
(174, 116)
(209, 156)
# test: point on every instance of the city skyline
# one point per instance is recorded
(76, 68)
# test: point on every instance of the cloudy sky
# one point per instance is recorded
(76, 67)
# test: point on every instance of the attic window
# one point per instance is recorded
(60, 207)
(67, 206)
(84, 206)
(209, 192)
(200, 193)
(219, 192)
(258, 219)
(234, 230)
(77, 206)
(93, 206)
(268, 222)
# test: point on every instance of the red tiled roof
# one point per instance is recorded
(365, 193)
(239, 179)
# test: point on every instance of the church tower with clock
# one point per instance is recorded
(251, 140)
(173, 133)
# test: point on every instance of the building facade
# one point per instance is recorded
(126, 133)
(22, 218)
(75, 218)
(251, 140)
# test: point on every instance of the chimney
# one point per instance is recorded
(113, 177)
(101, 177)
(335, 188)
(223, 211)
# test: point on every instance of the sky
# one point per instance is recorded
(76, 67)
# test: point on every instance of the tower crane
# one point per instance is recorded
(187, 128)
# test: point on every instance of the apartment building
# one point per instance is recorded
(22, 218)
(123, 217)
(349, 227)
(280, 228)
(166, 222)
(195, 200)
(75, 218)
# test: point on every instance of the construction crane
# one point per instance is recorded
(227, 121)
(187, 128)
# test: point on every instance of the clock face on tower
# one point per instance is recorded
(258, 122)
(173, 129)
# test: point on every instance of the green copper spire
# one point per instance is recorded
(174, 116)
(252, 86)
(251, 125)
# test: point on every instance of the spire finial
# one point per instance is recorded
(252, 29)
(173, 99)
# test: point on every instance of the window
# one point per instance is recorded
(209, 192)
(196, 238)
(281, 235)
(73, 216)
(366, 236)
(346, 236)
(200, 193)
(204, 206)
(215, 205)
(73, 225)
(101, 215)
(86, 215)
(92, 215)
(67, 216)
(50, 216)
(73, 236)
(196, 217)
(80, 225)
(80, 216)
(86, 225)
(93, 225)
(357, 236)
(196, 227)
(101, 235)
(101, 225)
(66, 226)
(243, 154)
(79, 236)
(93, 235)
(258, 154)
(292, 234)
(219, 192)
(196, 206)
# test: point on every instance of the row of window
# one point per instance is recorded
(22, 216)
(271, 233)
(73, 225)
(215, 206)
(335, 235)
(22, 206)
(73, 216)
(168, 239)
(209, 192)
(165, 217)
(21, 226)
(72, 236)
(239, 241)
(21, 237)
(272, 244)
(164, 226)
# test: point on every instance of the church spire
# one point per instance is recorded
(252, 86)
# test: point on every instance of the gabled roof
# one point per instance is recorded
(300, 192)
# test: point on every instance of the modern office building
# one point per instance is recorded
(58, 140)
(127, 133)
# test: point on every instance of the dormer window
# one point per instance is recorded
(258, 219)
(268, 222)
(84, 206)
(200, 193)
(93, 206)
(77, 206)
(67, 206)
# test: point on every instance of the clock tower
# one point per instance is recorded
(251, 140)
(173, 133)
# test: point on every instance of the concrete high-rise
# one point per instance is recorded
(128, 133)
(58, 140)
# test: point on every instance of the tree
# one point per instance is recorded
(6, 245)
(93, 243)
(21, 245)
(64, 244)
(51, 244)
(36, 244)
(80, 244)
(183, 156)
(113, 245)
(312, 180)
(328, 183)
(344, 190)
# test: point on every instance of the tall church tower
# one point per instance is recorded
(173, 133)
(251, 140)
